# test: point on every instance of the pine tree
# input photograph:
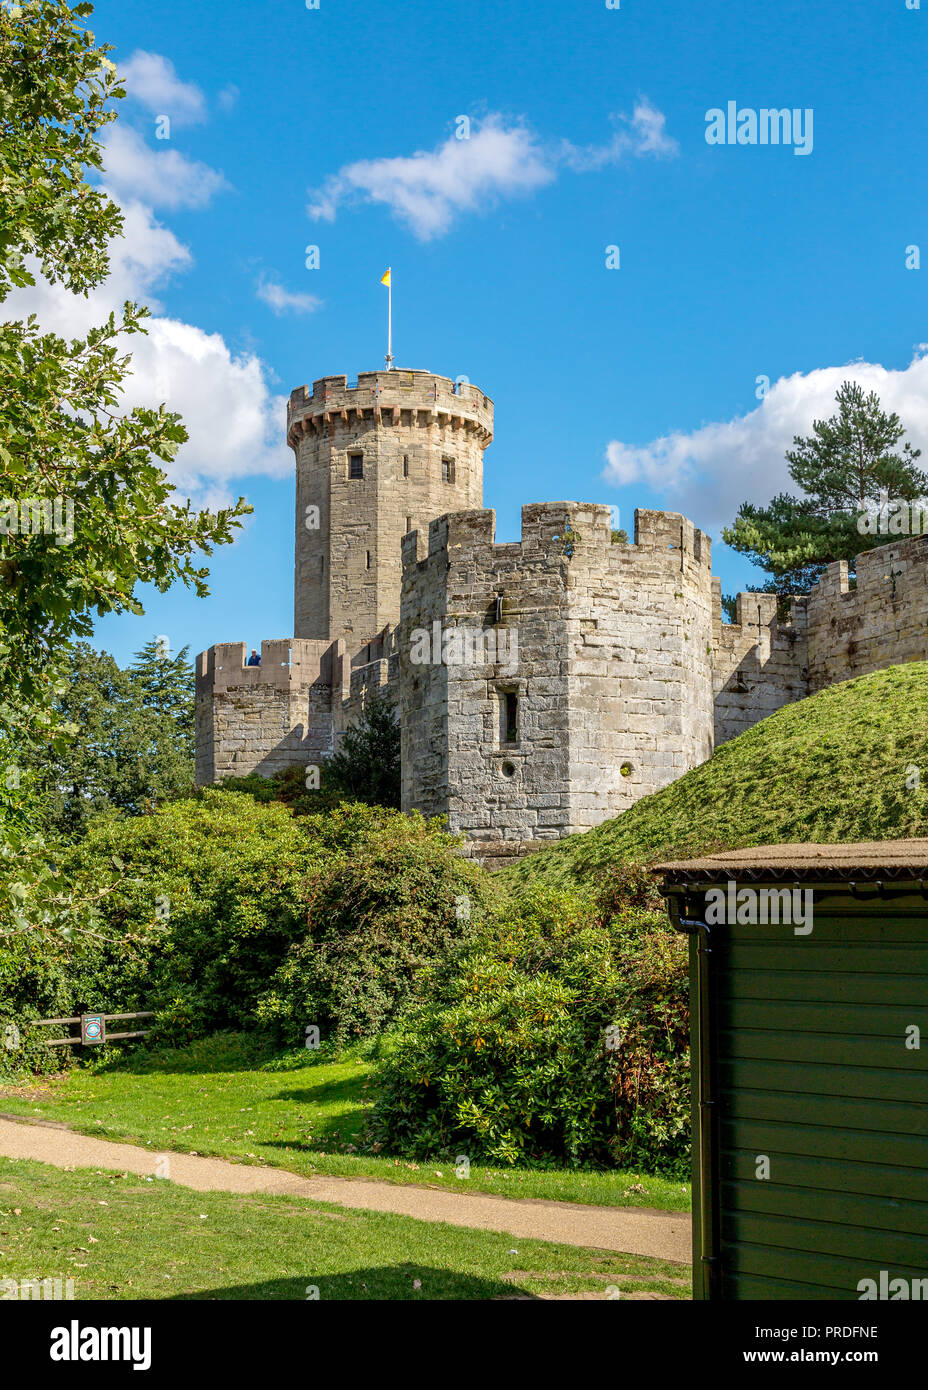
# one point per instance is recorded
(842, 468)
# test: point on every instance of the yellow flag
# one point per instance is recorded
(385, 279)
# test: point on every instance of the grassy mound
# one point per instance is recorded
(829, 769)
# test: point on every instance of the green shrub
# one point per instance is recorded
(204, 896)
(227, 913)
(33, 984)
(395, 898)
(287, 786)
(46, 975)
(504, 1053)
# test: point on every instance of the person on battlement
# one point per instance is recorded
(254, 659)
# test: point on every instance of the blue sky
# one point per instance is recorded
(636, 386)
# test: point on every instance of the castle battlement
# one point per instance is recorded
(285, 662)
(574, 530)
(543, 684)
(390, 398)
(904, 560)
(755, 614)
(672, 531)
(595, 689)
(880, 621)
(293, 708)
(375, 459)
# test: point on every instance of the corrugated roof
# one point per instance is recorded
(870, 859)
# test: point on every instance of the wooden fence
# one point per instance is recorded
(93, 1029)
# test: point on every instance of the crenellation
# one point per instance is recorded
(544, 684)
(880, 621)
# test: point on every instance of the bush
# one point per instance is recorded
(33, 984)
(504, 1053)
(397, 896)
(287, 786)
(47, 975)
(203, 897)
(226, 913)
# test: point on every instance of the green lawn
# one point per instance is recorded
(119, 1236)
(304, 1112)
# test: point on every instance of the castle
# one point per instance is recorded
(543, 685)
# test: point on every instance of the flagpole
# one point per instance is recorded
(390, 321)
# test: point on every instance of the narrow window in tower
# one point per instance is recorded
(408, 525)
(405, 465)
(509, 717)
(447, 470)
(368, 559)
(355, 465)
(321, 566)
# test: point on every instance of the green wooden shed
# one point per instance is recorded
(809, 1030)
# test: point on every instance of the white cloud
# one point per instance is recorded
(234, 420)
(286, 301)
(426, 190)
(228, 97)
(650, 136)
(643, 134)
(161, 178)
(710, 471)
(152, 80)
(235, 423)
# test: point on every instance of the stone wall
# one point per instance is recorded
(263, 718)
(291, 710)
(612, 680)
(882, 621)
(758, 663)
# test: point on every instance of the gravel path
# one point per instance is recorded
(635, 1230)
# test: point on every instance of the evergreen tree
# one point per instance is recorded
(367, 765)
(841, 468)
(165, 683)
(131, 744)
(164, 691)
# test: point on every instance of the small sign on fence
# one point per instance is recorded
(93, 1029)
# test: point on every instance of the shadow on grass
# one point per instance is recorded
(349, 1089)
(219, 1052)
(395, 1283)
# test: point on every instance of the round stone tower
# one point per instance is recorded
(374, 460)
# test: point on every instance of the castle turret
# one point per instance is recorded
(546, 684)
(375, 460)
